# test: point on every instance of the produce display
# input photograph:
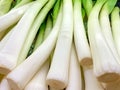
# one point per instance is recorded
(59, 45)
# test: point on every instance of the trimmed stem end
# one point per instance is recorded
(108, 77)
(56, 84)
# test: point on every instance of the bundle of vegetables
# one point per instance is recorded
(59, 45)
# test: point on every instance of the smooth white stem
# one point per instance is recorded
(11, 50)
(39, 80)
(106, 30)
(58, 74)
(106, 66)
(12, 17)
(33, 30)
(91, 82)
(75, 79)
(81, 43)
(4, 85)
(22, 74)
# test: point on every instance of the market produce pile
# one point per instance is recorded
(59, 45)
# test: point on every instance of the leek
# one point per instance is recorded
(106, 66)
(12, 17)
(75, 79)
(22, 74)
(91, 82)
(81, 43)
(34, 29)
(58, 74)
(10, 52)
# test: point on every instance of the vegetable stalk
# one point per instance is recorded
(75, 79)
(12, 17)
(91, 83)
(10, 52)
(106, 66)
(34, 29)
(22, 74)
(81, 43)
(58, 74)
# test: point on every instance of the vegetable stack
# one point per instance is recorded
(59, 45)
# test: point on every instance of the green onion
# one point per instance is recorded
(91, 82)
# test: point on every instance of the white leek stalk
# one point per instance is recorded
(106, 66)
(10, 52)
(75, 80)
(115, 21)
(39, 80)
(81, 43)
(22, 74)
(58, 74)
(12, 17)
(4, 85)
(91, 82)
(34, 29)
(106, 27)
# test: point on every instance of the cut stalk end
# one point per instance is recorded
(108, 77)
(86, 62)
(56, 84)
